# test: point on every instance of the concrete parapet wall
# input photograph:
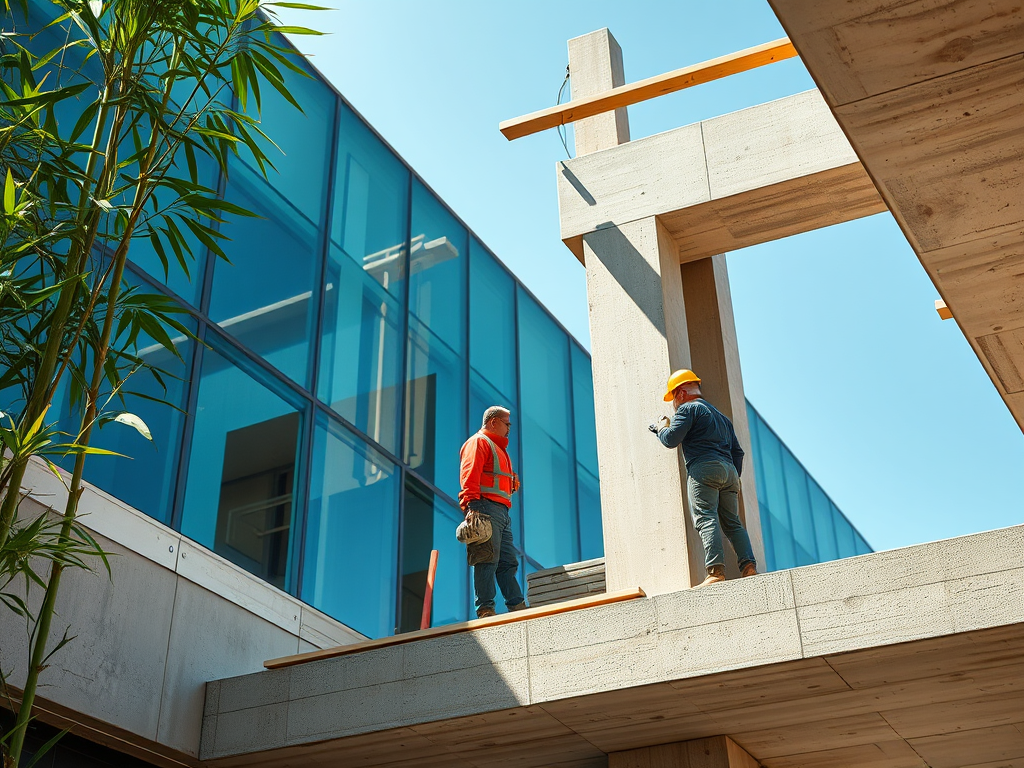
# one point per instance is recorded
(927, 591)
(172, 616)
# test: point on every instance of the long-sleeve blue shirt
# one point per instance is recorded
(704, 432)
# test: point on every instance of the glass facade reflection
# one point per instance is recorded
(352, 340)
(800, 523)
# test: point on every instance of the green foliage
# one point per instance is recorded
(109, 137)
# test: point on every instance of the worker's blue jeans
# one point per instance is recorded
(504, 564)
(713, 488)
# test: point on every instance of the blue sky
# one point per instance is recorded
(842, 352)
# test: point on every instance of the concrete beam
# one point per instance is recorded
(860, 662)
(745, 178)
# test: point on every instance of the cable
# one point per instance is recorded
(561, 128)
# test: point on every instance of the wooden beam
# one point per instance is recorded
(652, 87)
(451, 629)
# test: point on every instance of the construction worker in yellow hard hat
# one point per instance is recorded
(714, 460)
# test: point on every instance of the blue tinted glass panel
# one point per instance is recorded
(767, 534)
(481, 396)
(262, 297)
(146, 479)
(437, 286)
(369, 217)
(773, 476)
(351, 549)
(824, 527)
(184, 276)
(492, 329)
(239, 496)
(754, 419)
(301, 158)
(429, 523)
(845, 535)
(549, 487)
(583, 409)
(435, 409)
(361, 352)
(588, 495)
(799, 509)
(861, 546)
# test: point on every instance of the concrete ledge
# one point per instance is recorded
(634, 650)
(172, 617)
(748, 177)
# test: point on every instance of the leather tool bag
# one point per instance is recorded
(474, 529)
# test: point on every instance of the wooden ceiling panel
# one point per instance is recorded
(887, 754)
(982, 745)
(876, 46)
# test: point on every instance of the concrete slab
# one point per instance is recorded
(800, 668)
(929, 95)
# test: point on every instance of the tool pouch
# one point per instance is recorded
(480, 552)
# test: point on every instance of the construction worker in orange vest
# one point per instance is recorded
(488, 482)
(714, 460)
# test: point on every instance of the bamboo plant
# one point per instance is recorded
(102, 141)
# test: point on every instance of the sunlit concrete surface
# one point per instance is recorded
(171, 616)
(910, 657)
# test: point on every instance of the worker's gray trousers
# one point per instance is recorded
(504, 563)
(713, 488)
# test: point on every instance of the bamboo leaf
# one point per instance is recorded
(136, 423)
(41, 752)
(296, 31)
(9, 201)
(300, 6)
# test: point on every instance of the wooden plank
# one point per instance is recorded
(811, 736)
(451, 629)
(982, 745)
(887, 754)
(652, 87)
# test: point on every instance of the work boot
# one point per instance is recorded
(483, 613)
(521, 607)
(716, 573)
(749, 570)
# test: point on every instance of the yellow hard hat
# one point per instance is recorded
(679, 377)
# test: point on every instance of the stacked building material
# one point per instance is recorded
(565, 582)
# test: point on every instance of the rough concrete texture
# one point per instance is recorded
(643, 648)
(595, 66)
(930, 96)
(147, 640)
(751, 176)
(638, 328)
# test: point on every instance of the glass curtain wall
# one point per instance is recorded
(800, 523)
(350, 344)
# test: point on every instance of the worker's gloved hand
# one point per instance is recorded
(653, 428)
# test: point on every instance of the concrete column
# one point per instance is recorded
(595, 66)
(715, 752)
(638, 334)
(715, 357)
